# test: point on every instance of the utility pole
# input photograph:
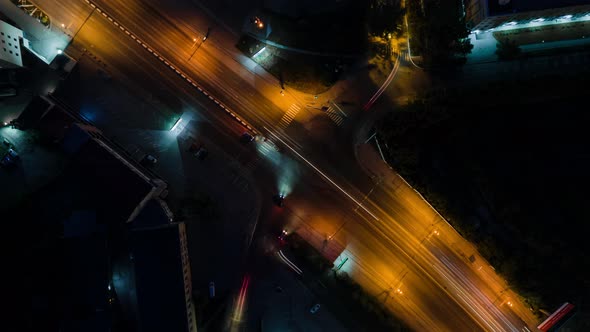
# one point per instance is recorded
(203, 40)
(86, 20)
(357, 207)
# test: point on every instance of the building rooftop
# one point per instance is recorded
(501, 7)
(100, 180)
(10, 51)
(85, 281)
(159, 279)
(97, 177)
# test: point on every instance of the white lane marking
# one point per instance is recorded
(254, 131)
(461, 294)
(327, 178)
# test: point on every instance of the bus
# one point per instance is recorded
(558, 318)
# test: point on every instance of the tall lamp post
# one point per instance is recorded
(86, 20)
(202, 41)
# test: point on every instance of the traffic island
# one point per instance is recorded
(304, 72)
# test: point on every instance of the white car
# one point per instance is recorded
(13, 153)
(315, 308)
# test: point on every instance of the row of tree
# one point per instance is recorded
(438, 31)
(384, 17)
(521, 167)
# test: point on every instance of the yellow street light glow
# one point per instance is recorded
(260, 25)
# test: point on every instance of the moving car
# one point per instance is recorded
(278, 199)
(246, 138)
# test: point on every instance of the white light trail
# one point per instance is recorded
(288, 262)
(327, 178)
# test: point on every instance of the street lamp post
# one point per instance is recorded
(357, 207)
(83, 23)
(202, 41)
(500, 295)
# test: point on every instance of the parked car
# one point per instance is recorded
(148, 160)
(13, 154)
(7, 161)
(211, 289)
(315, 308)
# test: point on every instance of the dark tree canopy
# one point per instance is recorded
(385, 16)
(507, 50)
(438, 31)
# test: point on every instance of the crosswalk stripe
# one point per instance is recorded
(337, 118)
(289, 116)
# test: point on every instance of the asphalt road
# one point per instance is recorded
(388, 234)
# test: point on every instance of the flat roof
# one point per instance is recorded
(518, 6)
(10, 50)
(159, 278)
(106, 183)
(85, 281)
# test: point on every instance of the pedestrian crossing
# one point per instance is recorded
(289, 116)
(333, 114)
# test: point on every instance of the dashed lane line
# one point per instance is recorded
(172, 67)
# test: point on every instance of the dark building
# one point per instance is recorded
(101, 207)
(483, 15)
(154, 281)
(99, 176)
